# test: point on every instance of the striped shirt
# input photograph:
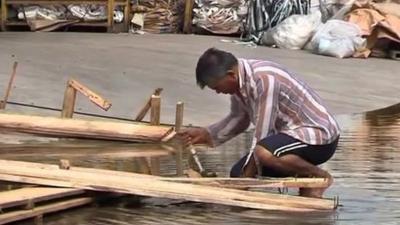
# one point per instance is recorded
(275, 101)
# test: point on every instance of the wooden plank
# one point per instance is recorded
(79, 128)
(245, 183)
(69, 102)
(140, 116)
(9, 86)
(23, 196)
(93, 97)
(100, 180)
(155, 110)
(38, 211)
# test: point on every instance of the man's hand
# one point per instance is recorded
(191, 136)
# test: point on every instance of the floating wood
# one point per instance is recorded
(103, 180)
(9, 87)
(72, 88)
(25, 196)
(147, 106)
(79, 128)
(245, 183)
(40, 210)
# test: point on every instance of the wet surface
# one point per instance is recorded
(366, 168)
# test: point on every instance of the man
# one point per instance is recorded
(294, 132)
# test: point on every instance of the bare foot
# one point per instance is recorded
(315, 192)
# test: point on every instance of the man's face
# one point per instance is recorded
(226, 85)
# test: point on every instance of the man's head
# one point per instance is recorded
(218, 70)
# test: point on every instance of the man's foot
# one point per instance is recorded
(315, 192)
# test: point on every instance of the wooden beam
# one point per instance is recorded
(140, 116)
(155, 111)
(20, 197)
(79, 128)
(9, 87)
(100, 180)
(187, 22)
(93, 97)
(39, 211)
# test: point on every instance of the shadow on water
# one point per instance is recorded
(366, 168)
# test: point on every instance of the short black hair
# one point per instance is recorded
(213, 65)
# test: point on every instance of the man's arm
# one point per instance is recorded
(235, 123)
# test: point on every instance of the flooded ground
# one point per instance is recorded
(366, 168)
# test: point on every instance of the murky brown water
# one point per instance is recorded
(366, 168)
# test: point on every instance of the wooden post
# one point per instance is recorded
(187, 22)
(127, 13)
(38, 220)
(155, 110)
(179, 149)
(110, 15)
(145, 109)
(69, 102)
(3, 15)
(155, 166)
(9, 87)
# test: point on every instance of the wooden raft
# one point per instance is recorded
(152, 186)
(79, 128)
(22, 203)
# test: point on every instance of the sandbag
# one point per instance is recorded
(337, 38)
(294, 32)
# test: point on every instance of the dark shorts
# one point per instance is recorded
(283, 144)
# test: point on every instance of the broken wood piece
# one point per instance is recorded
(80, 128)
(93, 97)
(64, 164)
(146, 185)
(140, 116)
(70, 98)
(155, 110)
(9, 87)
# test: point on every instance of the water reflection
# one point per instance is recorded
(366, 169)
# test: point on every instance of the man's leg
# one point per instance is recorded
(293, 165)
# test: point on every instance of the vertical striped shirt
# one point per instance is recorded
(275, 101)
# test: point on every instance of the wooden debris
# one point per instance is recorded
(79, 128)
(140, 116)
(27, 198)
(146, 185)
(74, 86)
(9, 87)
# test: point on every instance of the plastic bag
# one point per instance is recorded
(337, 38)
(294, 32)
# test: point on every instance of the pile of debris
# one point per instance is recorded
(352, 28)
(157, 16)
(41, 16)
(220, 16)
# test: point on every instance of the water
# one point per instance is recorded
(366, 169)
